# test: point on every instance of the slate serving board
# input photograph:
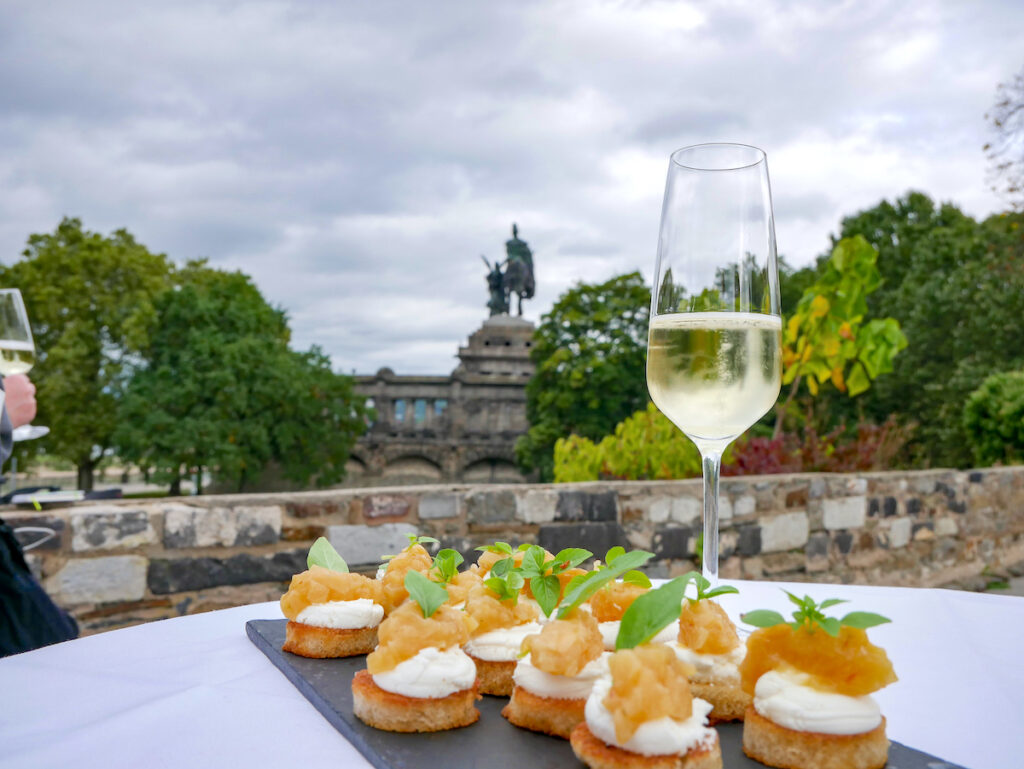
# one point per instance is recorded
(491, 743)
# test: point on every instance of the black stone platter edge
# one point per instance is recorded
(491, 743)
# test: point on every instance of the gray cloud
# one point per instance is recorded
(356, 158)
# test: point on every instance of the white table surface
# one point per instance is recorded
(194, 692)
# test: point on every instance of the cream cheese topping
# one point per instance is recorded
(712, 667)
(610, 631)
(785, 698)
(432, 674)
(660, 737)
(501, 645)
(342, 615)
(558, 687)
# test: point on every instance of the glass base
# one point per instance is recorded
(29, 432)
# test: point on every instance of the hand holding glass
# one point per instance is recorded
(17, 350)
(714, 350)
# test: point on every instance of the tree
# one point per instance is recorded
(90, 302)
(828, 340)
(1005, 152)
(994, 419)
(220, 390)
(956, 287)
(590, 353)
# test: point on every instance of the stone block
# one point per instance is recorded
(100, 580)
(302, 533)
(749, 540)
(845, 513)
(976, 477)
(672, 542)
(317, 508)
(537, 506)
(659, 509)
(914, 506)
(598, 538)
(817, 546)
(899, 532)
(817, 488)
(874, 507)
(797, 498)
(175, 575)
(487, 508)
(106, 528)
(379, 506)
(784, 531)
(725, 512)
(946, 527)
(923, 531)
(587, 506)
(844, 542)
(20, 520)
(365, 545)
(745, 505)
(187, 526)
(439, 506)
(889, 507)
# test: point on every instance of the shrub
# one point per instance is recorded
(994, 419)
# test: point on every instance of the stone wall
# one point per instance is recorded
(131, 561)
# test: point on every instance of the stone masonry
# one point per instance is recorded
(127, 562)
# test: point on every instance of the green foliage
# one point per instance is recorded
(543, 574)
(429, 595)
(956, 286)
(220, 389)
(645, 446)
(651, 613)
(827, 339)
(90, 300)
(810, 615)
(586, 585)
(994, 419)
(590, 351)
(446, 565)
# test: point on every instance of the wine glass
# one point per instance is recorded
(17, 350)
(714, 349)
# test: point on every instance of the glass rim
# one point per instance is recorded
(760, 154)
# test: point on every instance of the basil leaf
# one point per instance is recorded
(497, 547)
(575, 581)
(515, 581)
(636, 578)
(546, 591)
(499, 587)
(720, 590)
(798, 601)
(762, 618)
(533, 560)
(446, 563)
(429, 595)
(863, 619)
(830, 625)
(502, 567)
(651, 613)
(831, 602)
(570, 557)
(599, 579)
(614, 553)
(322, 553)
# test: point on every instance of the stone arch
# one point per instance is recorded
(492, 469)
(412, 468)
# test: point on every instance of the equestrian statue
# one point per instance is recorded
(517, 279)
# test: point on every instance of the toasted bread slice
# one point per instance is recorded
(324, 642)
(495, 677)
(392, 712)
(774, 745)
(728, 700)
(557, 717)
(596, 754)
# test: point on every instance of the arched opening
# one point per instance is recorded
(492, 470)
(412, 469)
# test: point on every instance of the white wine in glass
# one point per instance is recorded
(17, 349)
(714, 363)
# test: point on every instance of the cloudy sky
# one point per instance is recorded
(357, 158)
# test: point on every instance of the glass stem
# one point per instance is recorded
(712, 461)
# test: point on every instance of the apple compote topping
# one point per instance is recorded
(648, 683)
(488, 558)
(320, 585)
(405, 632)
(483, 605)
(609, 603)
(460, 587)
(846, 664)
(413, 558)
(705, 628)
(565, 646)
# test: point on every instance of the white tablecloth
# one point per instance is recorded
(194, 692)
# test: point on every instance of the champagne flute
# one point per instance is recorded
(714, 349)
(17, 350)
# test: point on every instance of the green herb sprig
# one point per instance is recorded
(498, 547)
(446, 565)
(582, 587)
(651, 613)
(704, 589)
(810, 615)
(428, 594)
(507, 587)
(413, 541)
(322, 553)
(632, 577)
(543, 574)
